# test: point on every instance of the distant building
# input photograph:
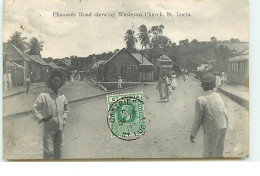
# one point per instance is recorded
(67, 60)
(17, 62)
(164, 66)
(128, 66)
(38, 67)
(62, 63)
(53, 65)
(202, 67)
(20, 65)
(239, 68)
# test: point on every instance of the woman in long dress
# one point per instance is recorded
(164, 88)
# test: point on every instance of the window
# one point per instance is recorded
(133, 68)
(114, 69)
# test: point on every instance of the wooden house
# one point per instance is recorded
(130, 66)
(37, 68)
(239, 68)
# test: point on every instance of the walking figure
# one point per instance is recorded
(174, 82)
(211, 114)
(119, 82)
(72, 79)
(218, 82)
(27, 84)
(9, 80)
(164, 90)
(51, 109)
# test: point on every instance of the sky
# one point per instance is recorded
(82, 36)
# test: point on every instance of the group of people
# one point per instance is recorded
(166, 86)
(75, 76)
(51, 109)
(210, 112)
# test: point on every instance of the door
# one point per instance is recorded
(123, 71)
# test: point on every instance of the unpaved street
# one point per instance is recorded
(168, 128)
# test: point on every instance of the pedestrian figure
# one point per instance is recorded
(51, 109)
(211, 114)
(222, 78)
(163, 88)
(174, 82)
(72, 79)
(185, 77)
(27, 84)
(218, 82)
(119, 82)
(9, 80)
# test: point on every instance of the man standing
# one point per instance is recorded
(9, 80)
(27, 84)
(51, 108)
(211, 114)
(72, 79)
(119, 82)
(218, 82)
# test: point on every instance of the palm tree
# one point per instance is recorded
(18, 41)
(130, 40)
(144, 40)
(156, 30)
(143, 36)
(35, 46)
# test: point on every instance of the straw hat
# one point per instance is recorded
(55, 72)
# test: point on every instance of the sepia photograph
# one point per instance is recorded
(120, 79)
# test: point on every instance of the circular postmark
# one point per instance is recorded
(125, 117)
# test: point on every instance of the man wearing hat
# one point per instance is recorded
(51, 109)
(211, 114)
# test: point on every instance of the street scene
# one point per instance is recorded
(87, 131)
(57, 97)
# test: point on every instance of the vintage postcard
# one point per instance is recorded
(120, 79)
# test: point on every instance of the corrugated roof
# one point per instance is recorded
(139, 58)
(164, 58)
(13, 53)
(53, 65)
(239, 58)
(38, 59)
(17, 65)
(67, 61)
(9, 64)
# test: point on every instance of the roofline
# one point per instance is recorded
(114, 56)
(46, 64)
(128, 53)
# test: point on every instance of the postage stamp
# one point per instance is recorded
(126, 118)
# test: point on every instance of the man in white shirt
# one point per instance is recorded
(211, 114)
(119, 84)
(51, 109)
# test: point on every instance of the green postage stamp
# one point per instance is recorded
(126, 118)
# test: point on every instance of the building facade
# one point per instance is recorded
(37, 68)
(239, 68)
(130, 66)
(164, 66)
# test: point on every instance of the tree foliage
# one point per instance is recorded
(130, 40)
(18, 41)
(35, 46)
(143, 36)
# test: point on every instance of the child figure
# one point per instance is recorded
(119, 82)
